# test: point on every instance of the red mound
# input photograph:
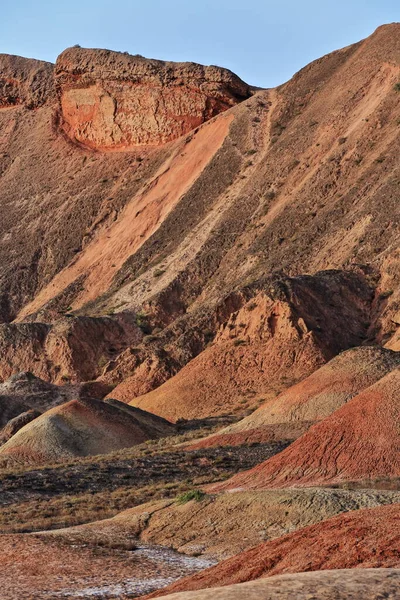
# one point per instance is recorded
(313, 399)
(360, 539)
(360, 440)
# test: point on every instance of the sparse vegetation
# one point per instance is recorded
(252, 306)
(196, 495)
(93, 488)
(158, 272)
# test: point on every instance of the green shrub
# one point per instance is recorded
(158, 272)
(196, 495)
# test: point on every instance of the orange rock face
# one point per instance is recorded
(111, 100)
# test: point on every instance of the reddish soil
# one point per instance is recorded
(314, 398)
(361, 539)
(287, 328)
(358, 441)
(112, 100)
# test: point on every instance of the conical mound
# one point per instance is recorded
(359, 441)
(313, 399)
(80, 428)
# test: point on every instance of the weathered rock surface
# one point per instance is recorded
(313, 399)
(25, 82)
(357, 540)
(282, 333)
(359, 441)
(342, 584)
(23, 392)
(72, 350)
(113, 100)
(81, 428)
(67, 240)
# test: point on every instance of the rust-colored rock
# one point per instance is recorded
(360, 441)
(111, 100)
(24, 81)
(312, 399)
(361, 539)
(284, 331)
(73, 349)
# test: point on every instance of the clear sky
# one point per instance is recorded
(263, 41)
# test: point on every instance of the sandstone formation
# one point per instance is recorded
(361, 539)
(71, 350)
(24, 82)
(286, 327)
(112, 100)
(204, 236)
(312, 399)
(344, 584)
(359, 441)
(145, 209)
(81, 428)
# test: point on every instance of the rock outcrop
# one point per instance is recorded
(112, 100)
(283, 328)
(25, 82)
(74, 349)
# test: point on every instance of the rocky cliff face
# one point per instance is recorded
(113, 100)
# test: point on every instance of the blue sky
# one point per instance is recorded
(265, 42)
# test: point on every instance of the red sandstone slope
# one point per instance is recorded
(81, 428)
(361, 440)
(304, 177)
(313, 399)
(361, 539)
(285, 330)
(251, 207)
